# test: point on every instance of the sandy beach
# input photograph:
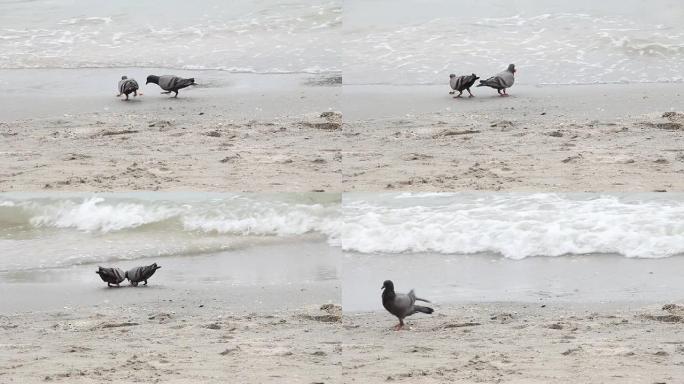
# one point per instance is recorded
(182, 338)
(252, 315)
(602, 138)
(65, 130)
(518, 343)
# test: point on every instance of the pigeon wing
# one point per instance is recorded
(402, 305)
(172, 83)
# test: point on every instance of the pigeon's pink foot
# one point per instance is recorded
(457, 97)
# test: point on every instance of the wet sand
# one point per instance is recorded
(607, 137)
(65, 130)
(482, 278)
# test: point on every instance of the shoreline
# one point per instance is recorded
(255, 277)
(238, 133)
(556, 139)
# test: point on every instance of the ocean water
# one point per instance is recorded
(534, 248)
(515, 225)
(253, 36)
(48, 231)
(551, 42)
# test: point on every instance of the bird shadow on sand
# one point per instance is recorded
(128, 286)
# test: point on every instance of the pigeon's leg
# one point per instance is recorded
(135, 93)
(459, 95)
(499, 92)
(400, 325)
(127, 97)
(471, 95)
(145, 282)
(176, 95)
(504, 92)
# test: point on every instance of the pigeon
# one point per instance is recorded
(401, 304)
(501, 80)
(111, 275)
(139, 274)
(170, 83)
(462, 83)
(127, 86)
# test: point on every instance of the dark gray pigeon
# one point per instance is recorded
(139, 274)
(462, 83)
(401, 304)
(170, 83)
(501, 80)
(127, 86)
(111, 275)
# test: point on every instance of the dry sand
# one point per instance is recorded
(189, 340)
(518, 343)
(180, 341)
(554, 138)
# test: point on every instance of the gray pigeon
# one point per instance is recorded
(462, 83)
(127, 86)
(111, 275)
(501, 80)
(139, 274)
(170, 83)
(400, 304)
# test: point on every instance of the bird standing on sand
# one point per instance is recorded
(170, 83)
(127, 86)
(501, 80)
(462, 83)
(401, 304)
(139, 274)
(111, 275)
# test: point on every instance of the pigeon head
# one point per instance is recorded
(475, 77)
(452, 76)
(152, 79)
(388, 285)
(511, 68)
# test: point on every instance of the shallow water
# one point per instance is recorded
(44, 231)
(551, 42)
(515, 225)
(263, 36)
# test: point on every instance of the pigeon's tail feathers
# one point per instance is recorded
(412, 295)
(422, 309)
(128, 86)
